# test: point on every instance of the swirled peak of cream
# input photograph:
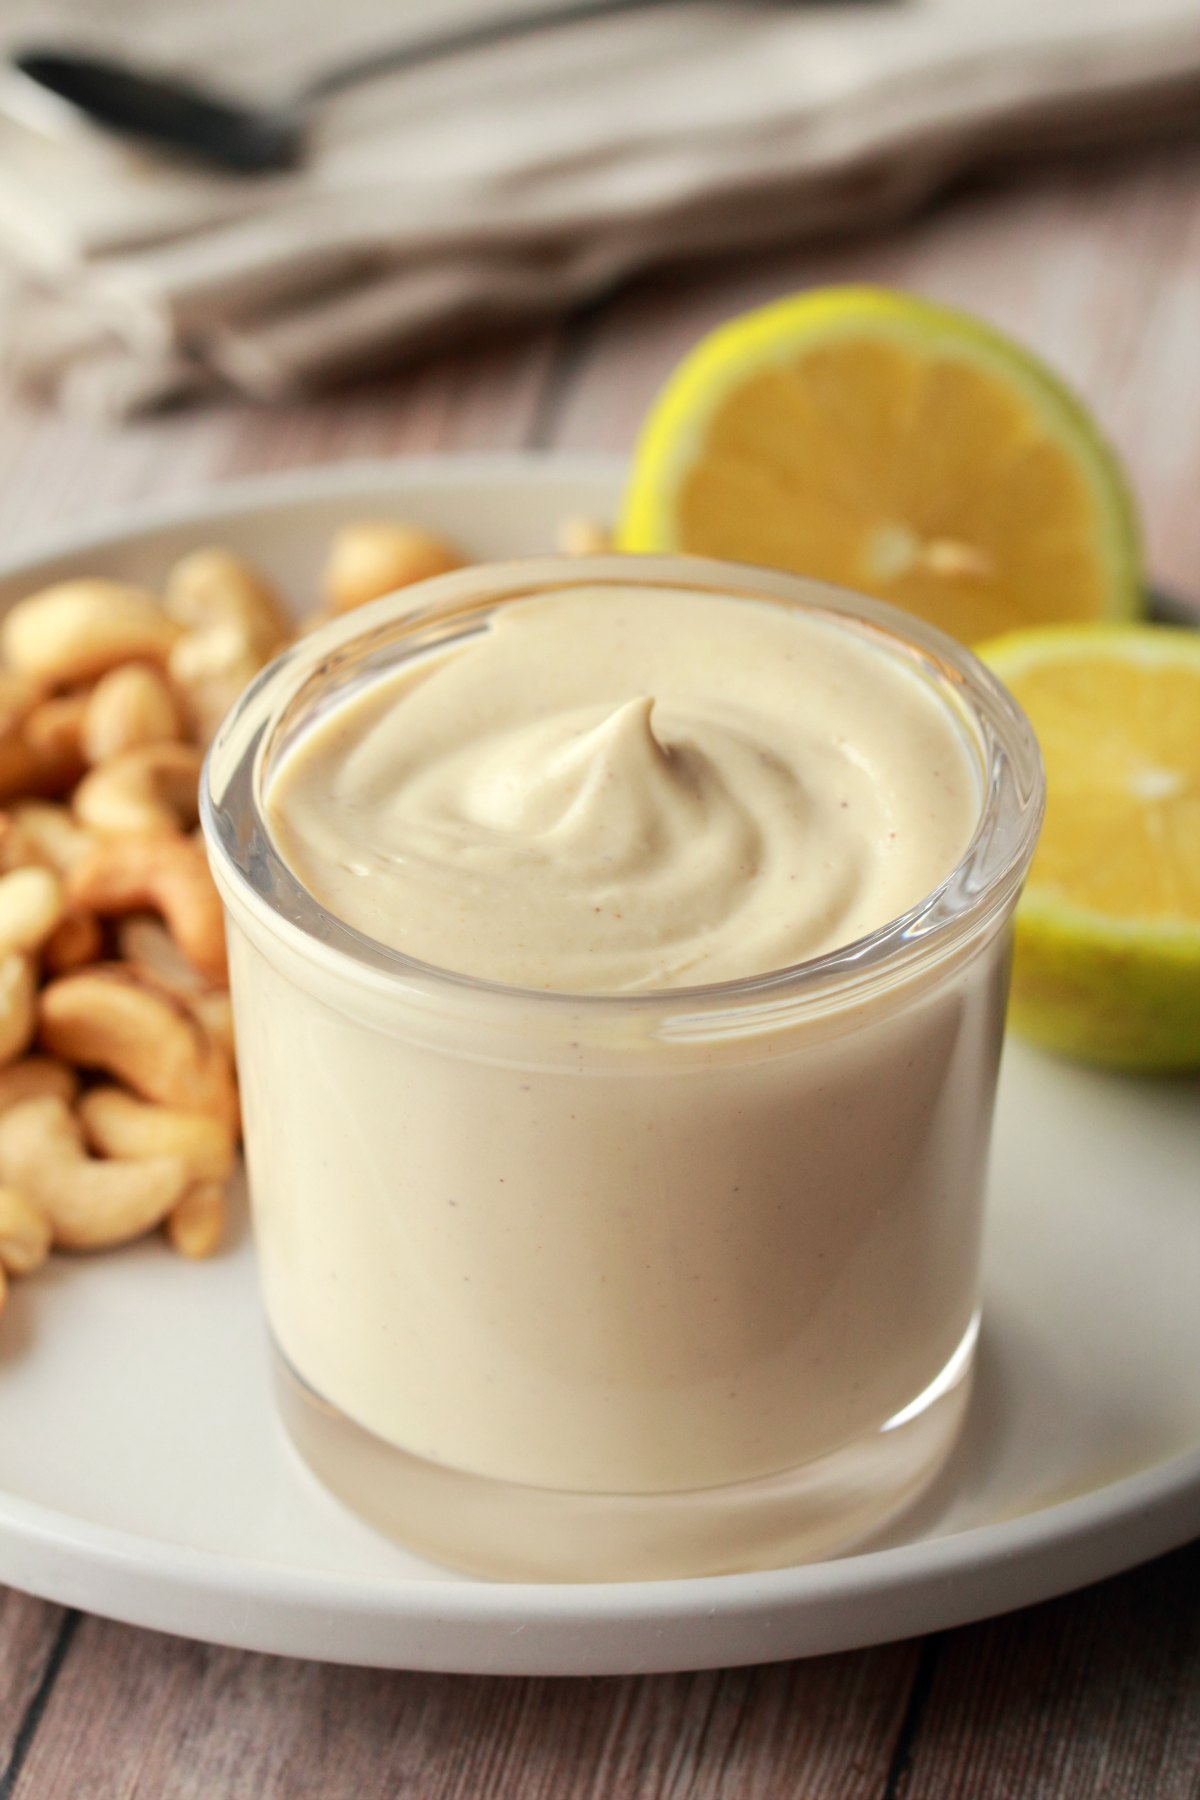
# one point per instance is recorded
(622, 789)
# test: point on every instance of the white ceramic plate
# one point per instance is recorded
(143, 1475)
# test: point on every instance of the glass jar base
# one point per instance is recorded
(504, 1531)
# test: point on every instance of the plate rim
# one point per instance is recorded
(928, 1584)
(242, 494)
(1151, 1495)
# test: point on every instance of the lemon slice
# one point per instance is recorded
(895, 447)
(1107, 963)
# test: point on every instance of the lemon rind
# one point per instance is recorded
(1045, 913)
(1013, 653)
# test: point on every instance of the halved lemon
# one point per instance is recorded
(1107, 963)
(893, 446)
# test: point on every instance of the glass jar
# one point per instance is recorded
(617, 1285)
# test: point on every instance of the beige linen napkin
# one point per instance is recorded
(517, 179)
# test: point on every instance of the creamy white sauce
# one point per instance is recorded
(630, 789)
(570, 1249)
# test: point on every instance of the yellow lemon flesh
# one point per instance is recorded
(895, 447)
(1107, 964)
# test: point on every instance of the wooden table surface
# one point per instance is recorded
(1098, 1694)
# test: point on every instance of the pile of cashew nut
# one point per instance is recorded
(118, 1089)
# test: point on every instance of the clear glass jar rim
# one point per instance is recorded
(983, 882)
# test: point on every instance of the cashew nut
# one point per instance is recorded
(196, 1225)
(59, 840)
(127, 708)
(90, 1204)
(214, 1009)
(578, 536)
(145, 942)
(18, 1006)
(19, 766)
(119, 1124)
(18, 697)
(148, 791)
(235, 623)
(213, 587)
(168, 875)
(107, 1018)
(77, 630)
(210, 669)
(77, 939)
(88, 708)
(376, 556)
(32, 904)
(54, 731)
(33, 1078)
(25, 1234)
(27, 769)
(18, 850)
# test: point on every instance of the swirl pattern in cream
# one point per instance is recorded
(626, 789)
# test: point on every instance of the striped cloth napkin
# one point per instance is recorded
(517, 179)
